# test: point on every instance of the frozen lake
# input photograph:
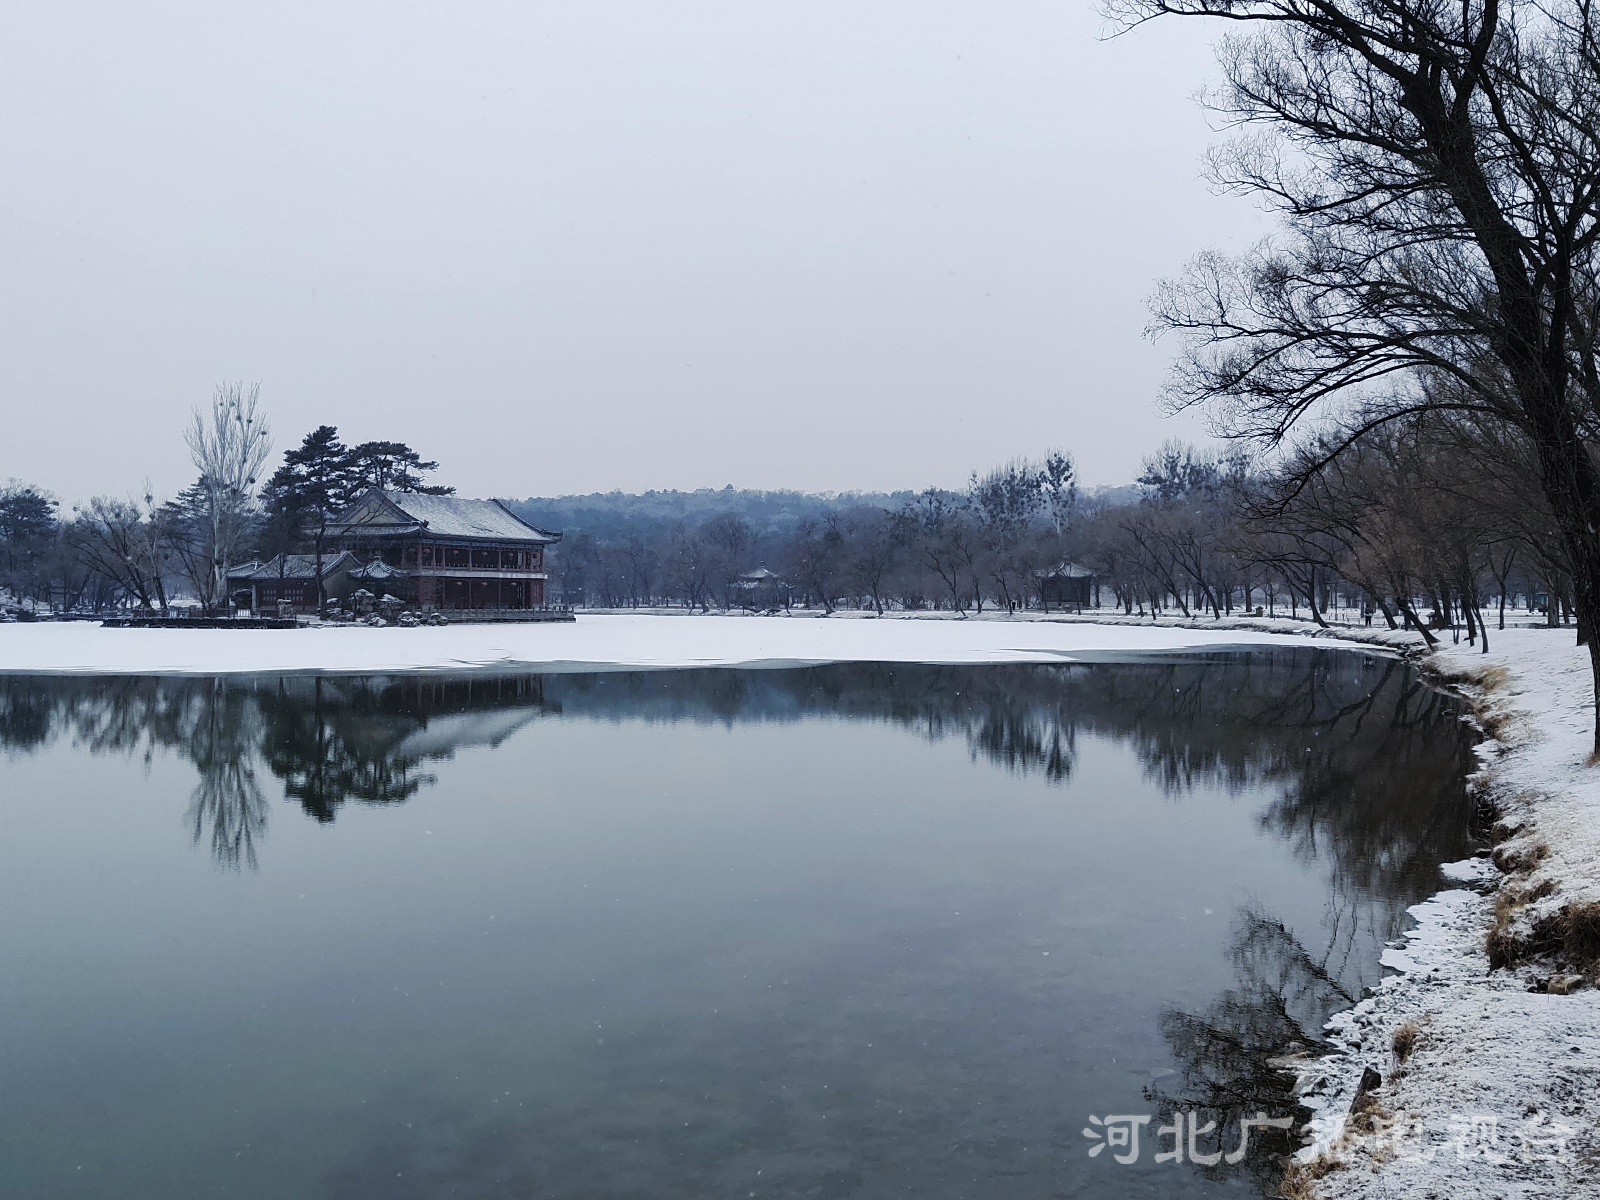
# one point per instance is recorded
(856, 930)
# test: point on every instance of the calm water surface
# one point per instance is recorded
(851, 931)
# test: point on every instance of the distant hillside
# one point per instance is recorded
(768, 513)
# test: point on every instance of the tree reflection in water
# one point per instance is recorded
(1365, 761)
(227, 802)
(328, 749)
(1363, 769)
(329, 741)
(1281, 997)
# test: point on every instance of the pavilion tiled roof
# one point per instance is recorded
(378, 571)
(293, 566)
(445, 516)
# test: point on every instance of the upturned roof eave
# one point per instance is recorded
(538, 536)
(268, 572)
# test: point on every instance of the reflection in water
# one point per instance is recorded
(1362, 755)
(1281, 997)
(328, 750)
(1362, 767)
(227, 801)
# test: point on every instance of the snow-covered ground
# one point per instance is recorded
(600, 642)
(1501, 1096)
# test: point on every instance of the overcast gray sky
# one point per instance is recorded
(581, 246)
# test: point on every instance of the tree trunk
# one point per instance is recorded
(1571, 483)
(322, 595)
(1410, 614)
(1311, 598)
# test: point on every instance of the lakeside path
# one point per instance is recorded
(605, 642)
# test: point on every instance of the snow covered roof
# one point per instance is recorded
(295, 566)
(1066, 571)
(377, 570)
(456, 731)
(392, 512)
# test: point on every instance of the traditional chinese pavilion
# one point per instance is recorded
(292, 579)
(444, 553)
(1065, 586)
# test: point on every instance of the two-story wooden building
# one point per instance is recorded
(444, 553)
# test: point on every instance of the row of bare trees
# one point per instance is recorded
(983, 547)
(119, 551)
(1434, 166)
(141, 553)
(131, 550)
(1420, 523)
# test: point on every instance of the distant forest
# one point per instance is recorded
(707, 548)
(606, 514)
(866, 549)
(775, 514)
(1410, 532)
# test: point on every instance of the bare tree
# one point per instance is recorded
(1437, 166)
(817, 558)
(229, 445)
(727, 538)
(689, 566)
(119, 541)
(1004, 504)
(1059, 480)
(946, 542)
(184, 524)
(877, 539)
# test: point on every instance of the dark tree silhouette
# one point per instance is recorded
(1438, 169)
(395, 466)
(317, 479)
(27, 530)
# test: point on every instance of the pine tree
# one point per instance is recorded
(395, 466)
(317, 479)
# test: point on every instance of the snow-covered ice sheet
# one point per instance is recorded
(599, 642)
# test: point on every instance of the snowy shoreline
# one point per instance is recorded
(601, 642)
(1501, 1093)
